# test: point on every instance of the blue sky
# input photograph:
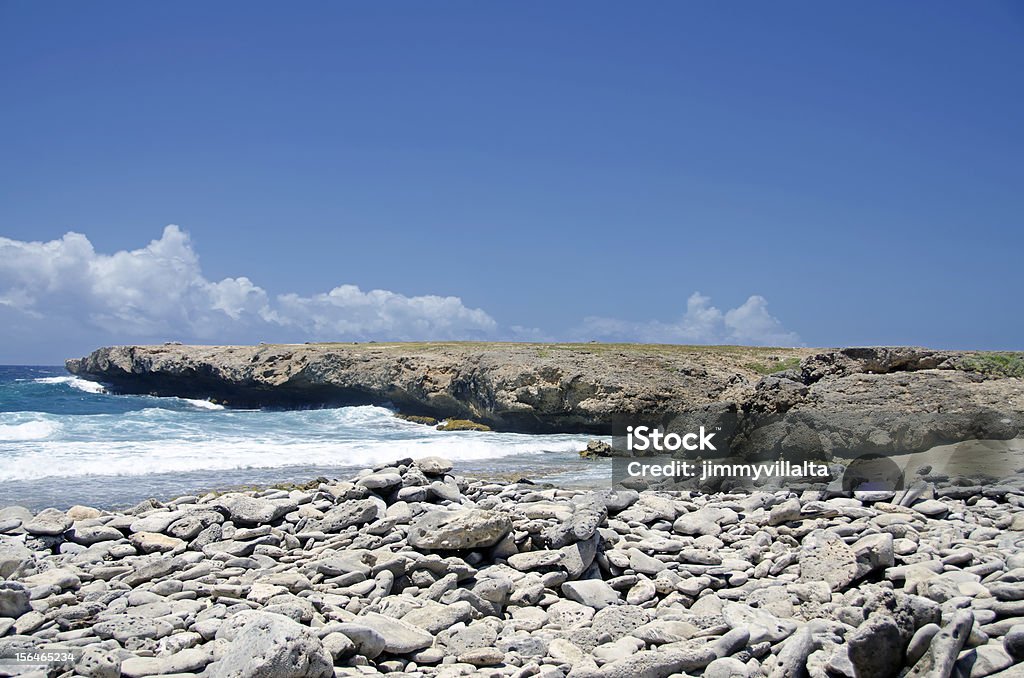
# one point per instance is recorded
(567, 170)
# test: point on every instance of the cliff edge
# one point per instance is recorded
(847, 400)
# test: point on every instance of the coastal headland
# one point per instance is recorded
(809, 403)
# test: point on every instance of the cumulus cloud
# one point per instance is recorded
(748, 324)
(160, 291)
(62, 297)
(348, 311)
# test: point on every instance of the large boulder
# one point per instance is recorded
(594, 593)
(14, 599)
(48, 523)
(365, 640)
(350, 513)
(434, 466)
(93, 534)
(245, 510)
(268, 645)
(826, 557)
(400, 637)
(13, 557)
(457, 530)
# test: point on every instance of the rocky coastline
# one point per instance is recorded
(799, 403)
(409, 569)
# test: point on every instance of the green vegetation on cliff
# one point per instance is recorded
(462, 425)
(1010, 364)
(774, 364)
(428, 421)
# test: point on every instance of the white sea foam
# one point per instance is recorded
(73, 382)
(203, 404)
(179, 440)
(137, 458)
(29, 430)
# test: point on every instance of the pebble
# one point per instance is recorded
(409, 569)
(593, 593)
(762, 625)
(931, 508)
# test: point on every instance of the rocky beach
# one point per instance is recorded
(410, 569)
(505, 340)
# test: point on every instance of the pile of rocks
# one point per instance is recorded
(408, 569)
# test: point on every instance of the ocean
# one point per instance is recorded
(65, 441)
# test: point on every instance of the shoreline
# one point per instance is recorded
(415, 569)
(993, 459)
(759, 401)
(117, 493)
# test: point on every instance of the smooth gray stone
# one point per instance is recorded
(593, 593)
(763, 626)
(876, 647)
(266, 645)
(9, 525)
(380, 481)
(982, 661)
(792, 656)
(368, 642)
(14, 599)
(245, 510)
(945, 647)
(434, 466)
(89, 535)
(436, 618)
(184, 661)
(13, 557)
(920, 641)
(399, 637)
(48, 522)
(1013, 642)
(338, 645)
(659, 663)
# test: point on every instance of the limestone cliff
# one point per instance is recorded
(846, 400)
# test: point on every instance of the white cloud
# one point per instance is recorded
(748, 324)
(159, 291)
(348, 311)
(63, 297)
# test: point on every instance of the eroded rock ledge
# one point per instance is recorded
(509, 387)
(852, 400)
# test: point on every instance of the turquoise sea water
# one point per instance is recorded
(65, 440)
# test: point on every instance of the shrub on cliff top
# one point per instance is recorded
(996, 364)
(773, 365)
